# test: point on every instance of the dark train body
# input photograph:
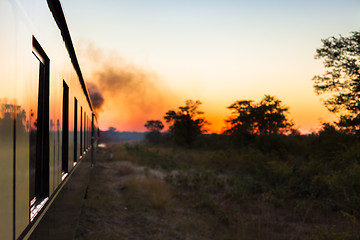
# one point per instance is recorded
(47, 121)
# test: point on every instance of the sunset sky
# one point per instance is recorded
(149, 56)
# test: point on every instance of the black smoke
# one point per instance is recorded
(96, 97)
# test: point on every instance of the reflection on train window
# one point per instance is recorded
(39, 131)
(75, 131)
(65, 131)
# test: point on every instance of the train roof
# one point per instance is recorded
(58, 14)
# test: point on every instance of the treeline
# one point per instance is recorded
(248, 118)
(111, 135)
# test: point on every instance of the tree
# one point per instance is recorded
(112, 129)
(271, 116)
(186, 123)
(342, 77)
(241, 119)
(154, 127)
(265, 118)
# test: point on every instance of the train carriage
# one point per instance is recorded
(47, 122)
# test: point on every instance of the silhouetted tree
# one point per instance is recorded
(266, 117)
(186, 123)
(342, 78)
(242, 116)
(271, 115)
(112, 129)
(154, 127)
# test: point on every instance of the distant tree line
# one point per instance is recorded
(112, 135)
(267, 117)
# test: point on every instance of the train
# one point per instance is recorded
(47, 121)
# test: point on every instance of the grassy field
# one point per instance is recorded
(138, 191)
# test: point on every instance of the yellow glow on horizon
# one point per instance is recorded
(306, 114)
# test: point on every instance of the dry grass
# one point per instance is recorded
(152, 188)
(126, 168)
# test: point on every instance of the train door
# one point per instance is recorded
(39, 130)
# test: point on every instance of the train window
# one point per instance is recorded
(65, 131)
(84, 131)
(39, 131)
(92, 130)
(75, 131)
(88, 132)
(81, 131)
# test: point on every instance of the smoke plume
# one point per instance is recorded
(96, 97)
(127, 95)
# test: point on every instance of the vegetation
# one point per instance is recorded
(342, 78)
(323, 168)
(266, 117)
(154, 125)
(276, 187)
(154, 128)
(186, 123)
